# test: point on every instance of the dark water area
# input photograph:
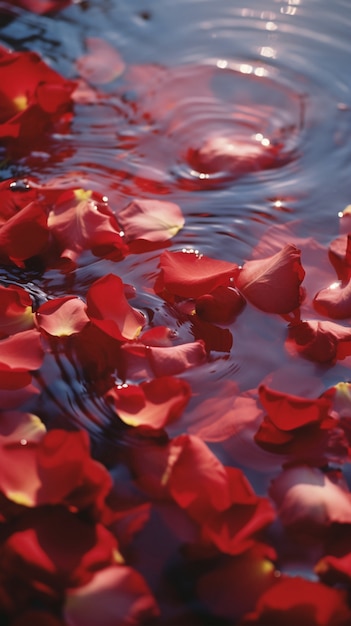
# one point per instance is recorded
(272, 78)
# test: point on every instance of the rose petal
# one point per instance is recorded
(273, 284)
(79, 221)
(151, 220)
(110, 311)
(152, 404)
(119, 594)
(288, 412)
(21, 352)
(320, 341)
(62, 317)
(308, 499)
(24, 235)
(220, 306)
(334, 301)
(294, 601)
(190, 274)
(15, 310)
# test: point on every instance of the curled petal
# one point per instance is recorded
(334, 301)
(307, 498)
(79, 221)
(49, 559)
(288, 412)
(218, 498)
(340, 256)
(320, 341)
(273, 284)
(15, 310)
(110, 311)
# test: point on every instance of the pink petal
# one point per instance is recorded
(173, 360)
(118, 594)
(151, 220)
(308, 498)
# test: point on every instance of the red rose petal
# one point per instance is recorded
(320, 341)
(190, 274)
(220, 306)
(63, 316)
(288, 412)
(21, 352)
(152, 404)
(110, 311)
(15, 310)
(78, 222)
(294, 601)
(218, 498)
(273, 284)
(334, 301)
(24, 235)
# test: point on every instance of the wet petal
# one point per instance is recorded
(273, 284)
(189, 274)
(151, 404)
(110, 311)
(151, 220)
(62, 317)
(334, 301)
(15, 310)
(320, 341)
(79, 221)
